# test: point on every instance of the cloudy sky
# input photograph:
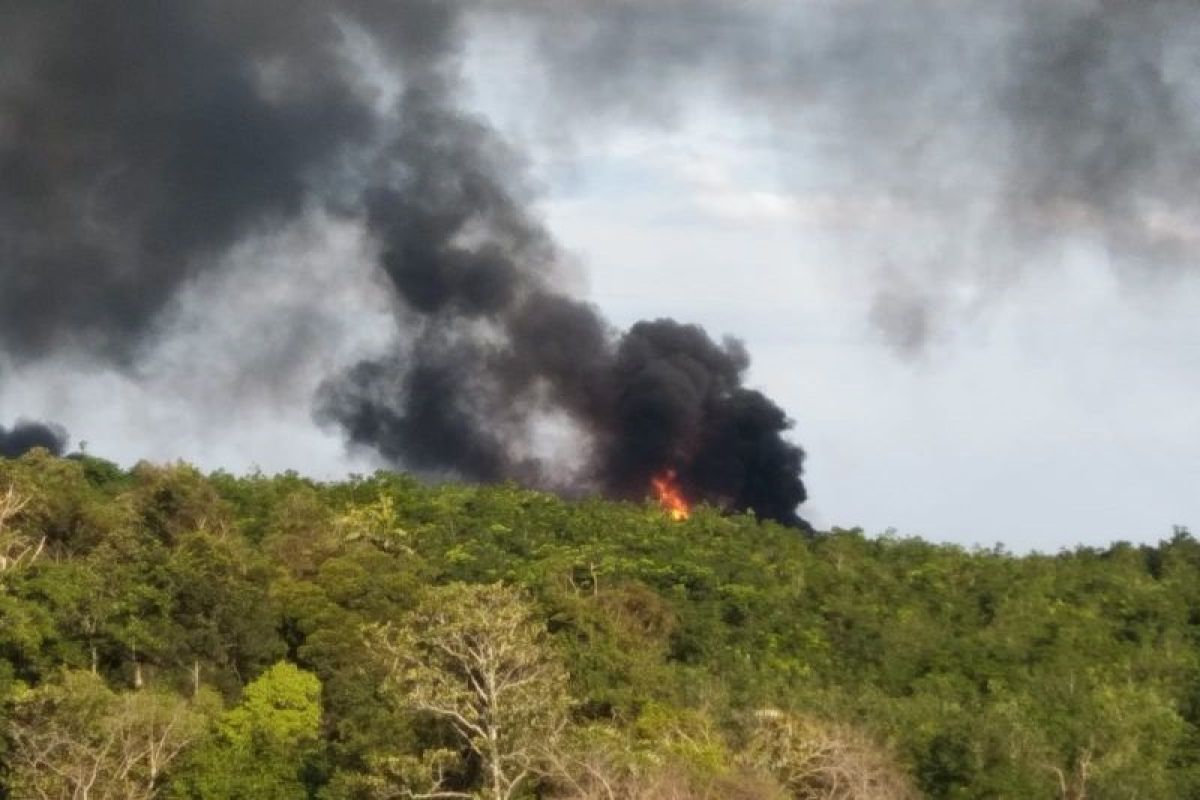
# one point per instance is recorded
(957, 239)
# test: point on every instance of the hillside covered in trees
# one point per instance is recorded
(167, 634)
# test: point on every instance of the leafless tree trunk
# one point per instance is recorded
(80, 740)
(16, 550)
(824, 761)
(1073, 783)
(474, 656)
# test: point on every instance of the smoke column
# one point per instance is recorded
(494, 348)
(140, 143)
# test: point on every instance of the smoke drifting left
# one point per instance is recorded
(140, 142)
(25, 436)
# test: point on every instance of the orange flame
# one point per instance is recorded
(669, 495)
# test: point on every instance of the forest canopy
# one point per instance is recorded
(170, 634)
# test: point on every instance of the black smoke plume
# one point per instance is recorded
(26, 435)
(495, 349)
(141, 142)
(679, 401)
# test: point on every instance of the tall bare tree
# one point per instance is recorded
(603, 763)
(816, 760)
(76, 739)
(16, 548)
(478, 658)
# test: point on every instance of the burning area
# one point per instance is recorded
(669, 496)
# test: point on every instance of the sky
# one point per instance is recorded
(966, 276)
(1064, 415)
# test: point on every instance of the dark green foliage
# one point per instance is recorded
(982, 674)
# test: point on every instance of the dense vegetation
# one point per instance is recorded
(169, 634)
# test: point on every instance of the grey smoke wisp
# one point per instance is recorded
(996, 135)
